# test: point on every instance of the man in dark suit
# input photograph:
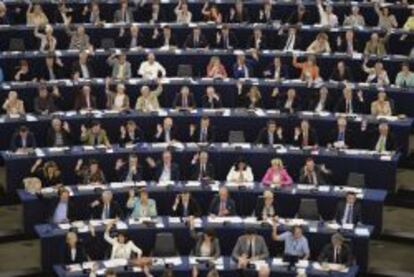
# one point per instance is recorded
(211, 99)
(321, 102)
(128, 172)
(105, 207)
(276, 70)
(74, 252)
(249, 247)
(52, 69)
(257, 40)
(222, 204)
(201, 168)
(164, 39)
(290, 41)
(22, 139)
(348, 44)
(350, 104)
(341, 136)
(384, 140)
(304, 135)
(300, 17)
(313, 174)
(82, 68)
(239, 13)
(164, 170)
(348, 211)
(337, 252)
(64, 210)
(270, 135)
(196, 39)
(130, 133)
(166, 132)
(184, 99)
(185, 205)
(341, 73)
(84, 99)
(59, 134)
(225, 39)
(203, 133)
(132, 39)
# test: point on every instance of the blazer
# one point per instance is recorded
(313, 104)
(390, 144)
(349, 141)
(283, 39)
(215, 206)
(111, 101)
(305, 20)
(239, 73)
(221, 44)
(328, 252)
(151, 103)
(51, 137)
(129, 16)
(303, 178)
(347, 75)
(80, 102)
(343, 46)
(45, 104)
(251, 43)
(16, 141)
(340, 211)
(80, 254)
(263, 137)
(211, 134)
(125, 41)
(312, 138)
(189, 42)
(71, 214)
(89, 138)
(161, 137)
(234, 174)
(136, 208)
(114, 210)
(357, 106)
(123, 171)
(258, 211)
(280, 104)
(243, 247)
(215, 245)
(138, 137)
(159, 41)
(285, 179)
(115, 69)
(193, 209)
(76, 68)
(271, 69)
(45, 75)
(371, 49)
(208, 174)
(215, 104)
(178, 101)
(175, 171)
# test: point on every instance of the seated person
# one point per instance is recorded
(24, 74)
(79, 39)
(148, 100)
(207, 244)
(313, 174)
(355, 19)
(130, 171)
(276, 175)
(290, 40)
(271, 134)
(83, 68)
(320, 45)
(265, 207)
(13, 105)
(257, 40)
(222, 204)
(266, 13)
(141, 206)
(204, 132)
(341, 136)
(322, 102)
(350, 104)
(384, 140)
(44, 103)
(381, 106)
(184, 99)
(276, 70)
(341, 73)
(296, 244)
(211, 99)
(348, 43)
(225, 39)
(196, 39)
(240, 172)
(305, 135)
(375, 46)
(121, 68)
(124, 14)
(245, 67)
(289, 103)
(212, 13)
(326, 15)
(239, 13)
(348, 211)
(106, 207)
(182, 12)
(151, 69)
(249, 247)
(22, 140)
(122, 248)
(165, 39)
(84, 100)
(35, 15)
(185, 205)
(166, 132)
(201, 168)
(309, 69)
(74, 252)
(377, 74)
(116, 100)
(95, 135)
(49, 174)
(130, 133)
(386, 20)
(64, 210)
(52, 69)
(90, 174)
(164, 170)
(215, 69)
(405, 78)
(132, 39)
(336, 252)
(250, 100)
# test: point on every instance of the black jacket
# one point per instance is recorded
(345, 256)
(115, 210)
(193, 209)
(340, 210)
(207, 175)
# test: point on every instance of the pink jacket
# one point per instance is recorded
(286, 180)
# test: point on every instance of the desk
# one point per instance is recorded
(227, 269)
(52, 239)
(380, 172)
(38, 208)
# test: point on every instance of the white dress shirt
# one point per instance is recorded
(151, 71)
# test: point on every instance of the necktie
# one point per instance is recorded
(96, 140)
(381, 147)
(289, 43)
(271, 139)
(107, 213)
(250, 254)
(222, 207)
(167, 135)
(305, 141)
(202, 171)
(203, 135)
(184, 102)
(341, 136)
(335, 255)
(349, 219)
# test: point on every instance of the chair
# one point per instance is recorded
(185, 70)
(355, 179)
(308, 209)
(16, 44)
(164, 245)
(107, 43)
(236, 137)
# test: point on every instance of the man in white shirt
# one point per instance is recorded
(327, 17)
(151, 69)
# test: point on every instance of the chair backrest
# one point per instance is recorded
(107, 43)
(16, 44)
(185, 70)
(236, 137)
(308, 209)
(164, 245)
(355, 179)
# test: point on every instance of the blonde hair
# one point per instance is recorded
(277, 162)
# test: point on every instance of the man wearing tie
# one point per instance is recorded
(270, 135)
(130, 172)
(222, 204)
(166, 131)
(348, 211)
(336, 252)
(313, 174)
(384, 140)
(185, 205)
(249, 247)
(225, 39)
(184, 99)
(204, 133)
(106, 207)
(291, 40)
(23, 139)
(257, 40)
(341, 137)
(304, 135)
(196, 39)
(164, 170)
(350, 104)
(202, 169)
